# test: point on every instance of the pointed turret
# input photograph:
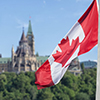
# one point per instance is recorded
(23, 38)
(12, 52)
(13, 49)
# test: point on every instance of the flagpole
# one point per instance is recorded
(98, 63)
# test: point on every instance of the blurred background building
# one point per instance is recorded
(89, 64)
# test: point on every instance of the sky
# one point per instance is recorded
(50, 19)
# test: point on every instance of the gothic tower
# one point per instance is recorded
(30, 38)
(23, 59)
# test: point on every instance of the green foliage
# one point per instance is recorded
(46, 94)
(61, 96)
(21, 81)
(1, 95)
(71, 81)
(37, 54)
(82, 96)
(32, 92)
(83, 68)
(22, 87)
(3, 82)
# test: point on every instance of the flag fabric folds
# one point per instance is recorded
(80, 39)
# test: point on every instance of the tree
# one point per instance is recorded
(37, 54)
(9, 96)
(31, 76)
(82, 96)
(3, 82)
(1, 95)
(26, 96)
(70, 81)
(61, 96)
(83, 68)
(21, 87)
(32, 92)
(46, 94)
(21, 81)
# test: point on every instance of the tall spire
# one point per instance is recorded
(30, 38)
(29, 29)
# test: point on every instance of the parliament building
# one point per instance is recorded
(24, 58)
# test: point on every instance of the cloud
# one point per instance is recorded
(81, 0)
(78, 13)
(95, 60)
(58, 0)
(78, 0)
(44, 2)
(62, 8)
(21, 24)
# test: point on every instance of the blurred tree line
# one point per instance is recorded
(22, 87)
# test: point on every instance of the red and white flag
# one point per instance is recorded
(80, 39)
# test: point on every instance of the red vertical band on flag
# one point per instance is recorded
(43, 76)
(89, 23)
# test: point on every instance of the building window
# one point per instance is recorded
(2, 69)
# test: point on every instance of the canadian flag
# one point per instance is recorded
(80, 39)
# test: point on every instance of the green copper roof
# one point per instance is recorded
(4, 60)
(29, 29)
(42, 58)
